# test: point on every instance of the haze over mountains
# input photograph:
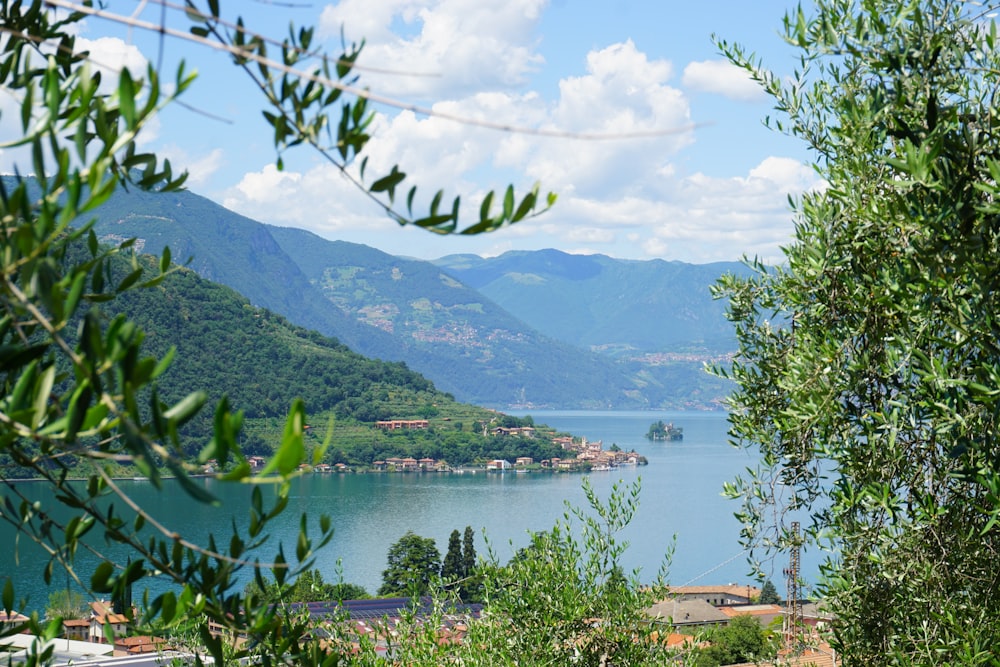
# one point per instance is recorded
(526, 329)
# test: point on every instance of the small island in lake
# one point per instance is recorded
(660, 431)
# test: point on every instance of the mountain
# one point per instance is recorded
(625, 308)
(543, 329)
(464, 342)
(379, 305)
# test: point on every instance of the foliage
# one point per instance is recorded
(567, 601)
(308, 586)
(868, 365)
(739, 641)
(468, 551)
(560, 601)
(67, 604)
(769, 594)
(395, 308)
(91, 395)
(413, 565)
(451, 567)
(659, 430)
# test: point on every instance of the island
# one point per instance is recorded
(661, 431)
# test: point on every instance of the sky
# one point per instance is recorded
(713, 185)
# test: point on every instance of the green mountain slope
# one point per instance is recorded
(378, 305)
(465, 342)
(258, 359)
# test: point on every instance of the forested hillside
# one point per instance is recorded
(588, 345)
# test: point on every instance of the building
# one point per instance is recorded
(687, 613)
(724, 595)
(101, 616)
(762, 613)
(407, 424)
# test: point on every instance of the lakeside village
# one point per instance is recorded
(684, 620)
(582, 455)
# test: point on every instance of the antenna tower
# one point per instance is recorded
(793, 599)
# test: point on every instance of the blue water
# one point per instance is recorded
(681, 495)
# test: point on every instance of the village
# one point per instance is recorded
(582, 456)
(105, 635)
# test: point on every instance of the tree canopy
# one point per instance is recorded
(868, 362)
(413, 565)
(78, 385)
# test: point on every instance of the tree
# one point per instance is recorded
(67, 604)
(308, 586)
(76, 386)
(868, 363)
(471, 589)
(468, 552)
(741, 640)
(564, 600)
(769, 594)
(414, 563)
(451, 569)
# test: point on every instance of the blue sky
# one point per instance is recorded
(714, 187)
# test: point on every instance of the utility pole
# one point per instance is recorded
(793, 601)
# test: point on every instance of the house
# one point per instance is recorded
(427, 463)
(762, 613)
(687, 613)
(719, 596)
(76, 628)
(522, 461)
(814, 614)
(138, 645)
(11, 619)
(407, 424)
(565, 442)
(498, 464)
(256, 462)
(102, 616)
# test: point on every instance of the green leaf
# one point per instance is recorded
(187, 408)
(126, 97)
(43, 394)
(102, 581)
(292, 449)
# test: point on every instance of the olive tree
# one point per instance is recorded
(868, 370)
(75, 386)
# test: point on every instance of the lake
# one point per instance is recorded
(681, 495)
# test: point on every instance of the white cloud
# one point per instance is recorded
(109, 56)
(623, 92)
(200, 167)
(723, 78)
(440, 48)
(622, 197)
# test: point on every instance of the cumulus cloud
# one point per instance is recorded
(109, 56)
(440, 48)
(622, 92)
(623, 197)
(722, 78)
(200, 167)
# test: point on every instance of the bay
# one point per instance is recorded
(680, 496)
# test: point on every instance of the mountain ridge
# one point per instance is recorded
(482, 350)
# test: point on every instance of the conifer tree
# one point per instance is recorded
(468, 552)
(452, 568)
